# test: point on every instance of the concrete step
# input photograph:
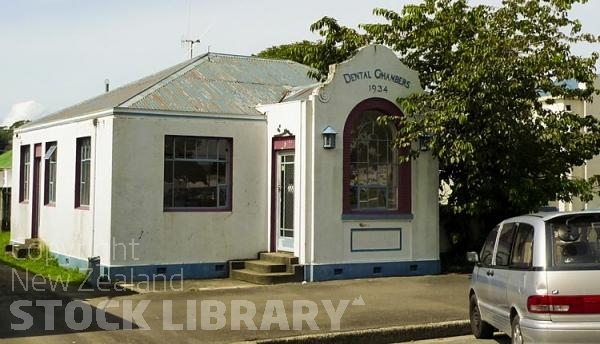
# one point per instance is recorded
(279, 257)
(265, 266)
(20, 251)
(264, 278)
(32, 242)
(270, 268)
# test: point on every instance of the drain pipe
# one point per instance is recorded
(585, 163)
(311, 149)
(93, 186)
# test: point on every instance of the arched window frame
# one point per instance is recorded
(403, 203)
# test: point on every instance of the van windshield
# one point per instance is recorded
(575, 241)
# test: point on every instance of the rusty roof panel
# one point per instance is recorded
(226, 84)
(211, 83)
(110, 99)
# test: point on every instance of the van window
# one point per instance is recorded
(504, 244)
(575, 241)
(522, 254)
(487, 251)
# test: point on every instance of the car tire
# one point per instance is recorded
(480, 328)
(516, 336)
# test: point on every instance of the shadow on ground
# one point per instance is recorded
(31, 306)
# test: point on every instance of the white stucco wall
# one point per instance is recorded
(331, 107)
(77, 233)
(289, 116)
(323, 236)
(7, 178)
(186, 237)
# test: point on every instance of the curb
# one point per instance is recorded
(396, 334)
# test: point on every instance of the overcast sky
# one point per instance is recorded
(55, 53)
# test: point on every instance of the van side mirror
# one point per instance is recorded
(472, 257)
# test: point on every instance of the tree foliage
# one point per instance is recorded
(485, 71)
(339, 43)
(6, 134)
(292, 51)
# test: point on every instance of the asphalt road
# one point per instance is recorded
(498, 339)
(181, 317)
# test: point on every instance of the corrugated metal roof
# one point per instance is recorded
(225, 84)
(110, 99)
(211, 83)
(569, 84)
(300, 93)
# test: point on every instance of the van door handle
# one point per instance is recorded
(490, 273)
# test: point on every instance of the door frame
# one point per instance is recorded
(285, 143)
(35, 199)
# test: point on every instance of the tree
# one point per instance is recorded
(339, 43)
(484, 69)
(6, 134)
(292, 51)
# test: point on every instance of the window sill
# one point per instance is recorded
(83, 207)
(24, 202)
(50, 205)
(377, 216)
(196, 210)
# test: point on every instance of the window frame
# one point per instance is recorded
(228, 174)
(522, 265)
(50, 165)
(368, 121)
(83, 184)
(490, 242)
(24, 173)
(403, 192)
(553, 254)
(512, 227)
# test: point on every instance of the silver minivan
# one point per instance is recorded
(537, 279)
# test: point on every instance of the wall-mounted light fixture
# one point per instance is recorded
(329, 135)
(424, 140)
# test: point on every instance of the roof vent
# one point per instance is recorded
(106, 85)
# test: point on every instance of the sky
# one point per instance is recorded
(56, 53)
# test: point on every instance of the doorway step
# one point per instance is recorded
(20, 251)
(269, 268)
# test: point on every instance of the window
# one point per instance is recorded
(25, 175)
(504, 244)
(373, 165)
(575, 241)
(82, 172)
(375, 181)
(50, 174)
(522, 254)
(487, 251)
(197, 173)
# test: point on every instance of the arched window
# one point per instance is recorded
(374, 180)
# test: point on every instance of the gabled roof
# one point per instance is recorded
(569, 84)
(212, 83)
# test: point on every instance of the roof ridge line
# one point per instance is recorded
(180, 66)
(183, 65)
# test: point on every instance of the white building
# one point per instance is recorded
(222, 157)
(590, 167)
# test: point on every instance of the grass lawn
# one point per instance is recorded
(40, 262)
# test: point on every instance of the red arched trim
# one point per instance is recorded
(404, 175)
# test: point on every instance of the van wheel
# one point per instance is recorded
(516, 335)
(480, 328)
